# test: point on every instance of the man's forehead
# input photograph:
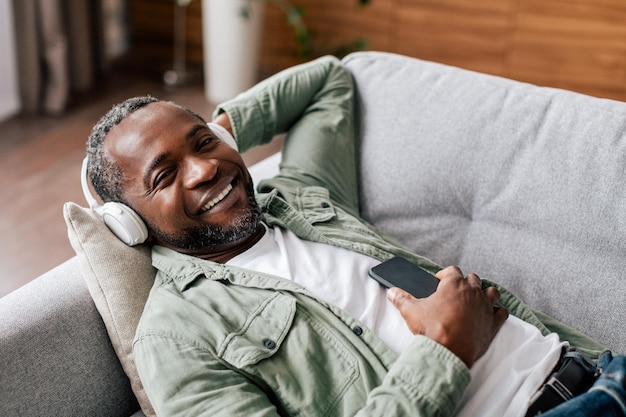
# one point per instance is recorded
(144, 126)
(125, 136)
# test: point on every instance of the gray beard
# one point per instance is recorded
(207, 237)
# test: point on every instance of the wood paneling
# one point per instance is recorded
(152, 34)
(473, 35)
(332, 23)
(573, 44)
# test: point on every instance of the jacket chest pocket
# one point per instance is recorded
(298, 354)
(262, 333)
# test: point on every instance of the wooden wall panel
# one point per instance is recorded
(329, 22)
(573, 44)
(194, 33)
(152, 34)
(472, 35)
(151, 25)
(332, 22)
(278, 48)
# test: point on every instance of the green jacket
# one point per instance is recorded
(216, 340)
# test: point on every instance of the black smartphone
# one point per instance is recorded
(398, 272)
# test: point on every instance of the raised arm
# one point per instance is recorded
(314, 104)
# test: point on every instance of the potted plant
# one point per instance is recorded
(231, 38)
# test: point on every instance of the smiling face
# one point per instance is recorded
(192, 190)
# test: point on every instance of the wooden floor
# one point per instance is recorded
(40, 161)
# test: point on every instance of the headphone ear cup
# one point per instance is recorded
(124, 223)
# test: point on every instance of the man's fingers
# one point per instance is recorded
(473, 279)
(500, 314)
(449, 271)
(492, 294)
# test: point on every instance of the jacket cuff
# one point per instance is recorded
(432, 375)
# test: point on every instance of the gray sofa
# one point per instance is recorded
(522, 184)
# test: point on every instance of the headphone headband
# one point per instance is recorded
(93, 204)
(223, 134)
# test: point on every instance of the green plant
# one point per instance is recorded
(303, 36)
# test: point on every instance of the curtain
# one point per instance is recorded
(62, 48)
(9, 99)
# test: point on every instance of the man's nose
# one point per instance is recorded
(200, 170)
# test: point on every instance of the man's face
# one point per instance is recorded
(192, 190)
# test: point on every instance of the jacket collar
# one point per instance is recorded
(182, 270)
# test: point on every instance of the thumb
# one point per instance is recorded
(398, 297)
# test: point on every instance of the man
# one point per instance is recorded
(262, 305)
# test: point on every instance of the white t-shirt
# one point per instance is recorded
(502, 381)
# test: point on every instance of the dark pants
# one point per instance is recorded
(607, 396)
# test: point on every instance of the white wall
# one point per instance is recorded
(9, 94)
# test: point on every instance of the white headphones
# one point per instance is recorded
(121, 219)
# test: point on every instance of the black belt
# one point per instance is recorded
(574, 375)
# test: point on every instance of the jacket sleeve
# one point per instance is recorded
(314, 104)
(427, 380)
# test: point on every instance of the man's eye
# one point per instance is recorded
(161, 179)
(205, 141)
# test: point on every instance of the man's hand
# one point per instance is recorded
(224, 121)
(459, 315)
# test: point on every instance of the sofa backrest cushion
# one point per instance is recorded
(521, 184)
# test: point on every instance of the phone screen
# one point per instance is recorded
(398, 272)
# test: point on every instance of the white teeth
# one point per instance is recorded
(217, 199)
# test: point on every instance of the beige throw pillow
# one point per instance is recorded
(119, 279)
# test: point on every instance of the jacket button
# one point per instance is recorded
(269, 344)
(358, 330)
(325, 205)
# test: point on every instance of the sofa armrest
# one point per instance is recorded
(55, 355)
